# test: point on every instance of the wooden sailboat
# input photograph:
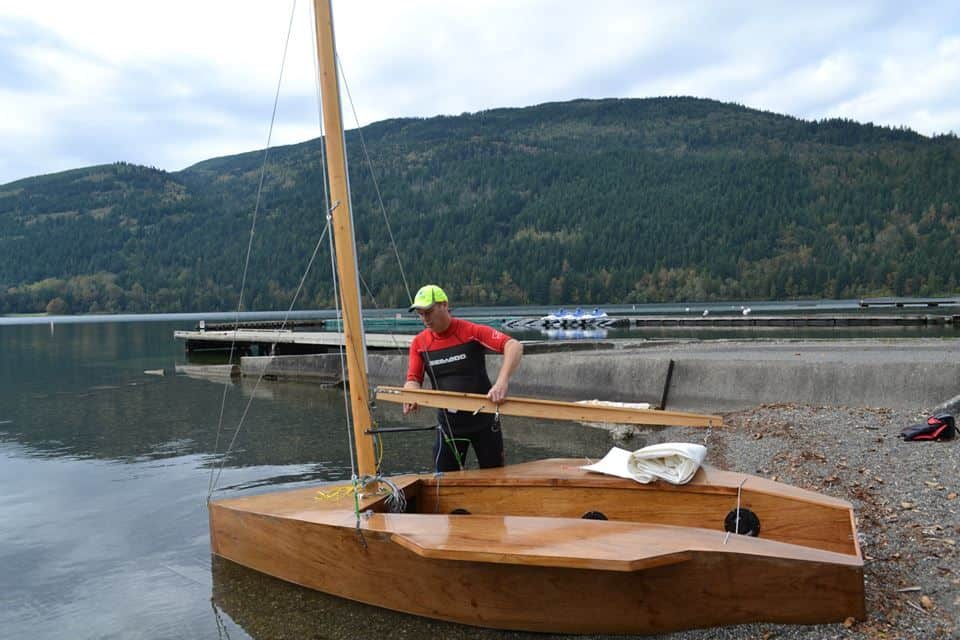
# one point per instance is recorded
(542, 546)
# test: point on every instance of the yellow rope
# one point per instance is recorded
(335, 493)
(380, 451)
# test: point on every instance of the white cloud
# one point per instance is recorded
(807, 89)
(914, 87)
(174, 83)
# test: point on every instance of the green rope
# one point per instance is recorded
(456, 452)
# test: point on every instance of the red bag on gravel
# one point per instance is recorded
(938, 427)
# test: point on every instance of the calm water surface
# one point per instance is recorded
(104, 472)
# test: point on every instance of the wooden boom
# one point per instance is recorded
(550, 409)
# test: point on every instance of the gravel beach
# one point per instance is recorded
(905, 499)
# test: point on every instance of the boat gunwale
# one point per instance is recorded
(567, 472)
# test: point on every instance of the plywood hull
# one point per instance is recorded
(538, 573)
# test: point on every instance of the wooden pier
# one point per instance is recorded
(275, 342)
(851, 320)
(261, 324)
(740, 320)
(900, 303)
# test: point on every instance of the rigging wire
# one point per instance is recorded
(358, 483)
(253, 226)
(736, 526)
(348, 417)
(444, 438)
(215, 479)
(373, 176)
(326, 199)
(341, 349)
(383, 209)
(386, 219)
(263, 371)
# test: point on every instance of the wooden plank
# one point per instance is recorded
(576, 543)
(545, 542)
(546, 409)
(325, 338)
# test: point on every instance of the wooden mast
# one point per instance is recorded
(343, 237)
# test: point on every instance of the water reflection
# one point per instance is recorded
(267, 609)
(754, 333)
(574, 334)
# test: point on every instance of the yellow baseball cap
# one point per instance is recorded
(427, 296)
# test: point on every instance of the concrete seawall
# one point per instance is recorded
(706, 376)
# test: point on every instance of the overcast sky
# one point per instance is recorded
(171, 83)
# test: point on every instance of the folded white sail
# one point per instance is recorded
(674, 462)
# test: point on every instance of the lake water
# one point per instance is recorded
(104, 472)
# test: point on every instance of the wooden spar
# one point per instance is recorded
(343, 237)
(550, 409)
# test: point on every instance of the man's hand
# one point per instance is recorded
(498, 392)
(512, 352)
(410, 406)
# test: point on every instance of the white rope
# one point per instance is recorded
(263, 371)
(736, 526)
(296, 295)
(340, 350)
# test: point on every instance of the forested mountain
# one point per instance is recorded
(583, 202)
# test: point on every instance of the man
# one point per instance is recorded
(452, 353)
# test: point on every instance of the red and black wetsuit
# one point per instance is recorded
(455, 361)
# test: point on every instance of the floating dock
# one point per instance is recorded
(743, 320)
(275, 342)
(851, 320)
(908, 302)
(312, 323)
(606, 322)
